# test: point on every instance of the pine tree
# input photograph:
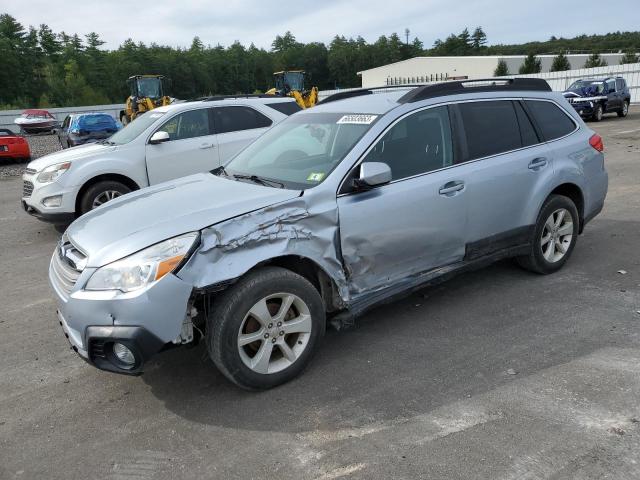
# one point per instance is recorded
(594, 60)
(501, 70)
(531, 64)
(560, 63)
(629, 57)
(479, 38)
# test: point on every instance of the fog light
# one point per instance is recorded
(54, 201)
(123, 354)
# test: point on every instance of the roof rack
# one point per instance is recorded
(363, 91)
(480, 85)
(217, 98)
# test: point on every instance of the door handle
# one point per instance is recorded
(207, 145)
(537, 163)
(450, 188)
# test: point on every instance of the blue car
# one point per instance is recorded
(594, 97)
(78, 129)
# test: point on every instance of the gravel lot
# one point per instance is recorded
(40, 145)
(498, 374)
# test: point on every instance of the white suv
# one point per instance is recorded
(166, 143)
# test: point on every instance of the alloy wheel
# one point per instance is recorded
(274, 333)
(104, 197)
(557, 234)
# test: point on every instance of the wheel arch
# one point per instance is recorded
(102, 177)
(575, 193)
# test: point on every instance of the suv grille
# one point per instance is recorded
(30, 171)
(66, 265)
(27, 189)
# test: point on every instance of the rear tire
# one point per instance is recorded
(625, 109)
(280, 340)
(100, 193)
(554, 236)
(597, 114)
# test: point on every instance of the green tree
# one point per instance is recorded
(479, 38)
(502, 70)
(595, 60)
(629, 57)
(532, 64)
(560, 63)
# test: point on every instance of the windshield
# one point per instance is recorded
(149, 87)
(135, 128)
(595, 85)
(301, 151)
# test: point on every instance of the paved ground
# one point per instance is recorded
(420, 389)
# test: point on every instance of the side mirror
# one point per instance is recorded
(159, 137)
(373, 174)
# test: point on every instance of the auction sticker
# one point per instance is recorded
(315, 177)
(357, 119)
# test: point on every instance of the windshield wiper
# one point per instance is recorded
(107, 142)
(259, 180)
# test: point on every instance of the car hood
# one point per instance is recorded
(145, 217)
(71, 155)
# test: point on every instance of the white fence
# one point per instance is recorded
(559, 81)
(8, 116)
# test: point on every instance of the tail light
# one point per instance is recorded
(596, 142)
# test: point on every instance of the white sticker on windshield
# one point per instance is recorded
(357, 119)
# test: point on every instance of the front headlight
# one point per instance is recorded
(142, 268)
(53, 172)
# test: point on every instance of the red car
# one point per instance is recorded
(13, 146)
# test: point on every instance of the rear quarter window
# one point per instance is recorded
(287, 108)
(551, 119)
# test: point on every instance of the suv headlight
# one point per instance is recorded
(142, 268)
(53, 172)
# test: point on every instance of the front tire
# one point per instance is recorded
(625, 109)
(263, 331)
(597, 114)
(554, 236)
(100, 193)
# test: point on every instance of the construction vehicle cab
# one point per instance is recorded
(291, 84)
(146, 92)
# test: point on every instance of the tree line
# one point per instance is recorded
(44, 68)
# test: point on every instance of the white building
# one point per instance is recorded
(425, 69)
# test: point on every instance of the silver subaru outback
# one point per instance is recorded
(338, 208)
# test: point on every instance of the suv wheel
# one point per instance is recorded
(597, 114)
(263, 331)
(554, 237)
(625, 109)
(101, 193)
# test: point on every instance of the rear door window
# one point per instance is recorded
(233, 119)
(528, 134)
(620, 84)
(418, 143)
(491, 127)
(551, 119)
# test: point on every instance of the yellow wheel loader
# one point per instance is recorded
(290, 83)
(146, 92)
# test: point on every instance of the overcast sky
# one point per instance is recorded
(175, 23)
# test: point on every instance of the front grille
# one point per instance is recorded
(27, 189)
(30, 171)
(66, 265)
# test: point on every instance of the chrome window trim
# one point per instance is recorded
(455, 102)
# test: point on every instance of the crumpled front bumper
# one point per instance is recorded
(145, 321)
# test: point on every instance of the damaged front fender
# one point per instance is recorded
(306, 226)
